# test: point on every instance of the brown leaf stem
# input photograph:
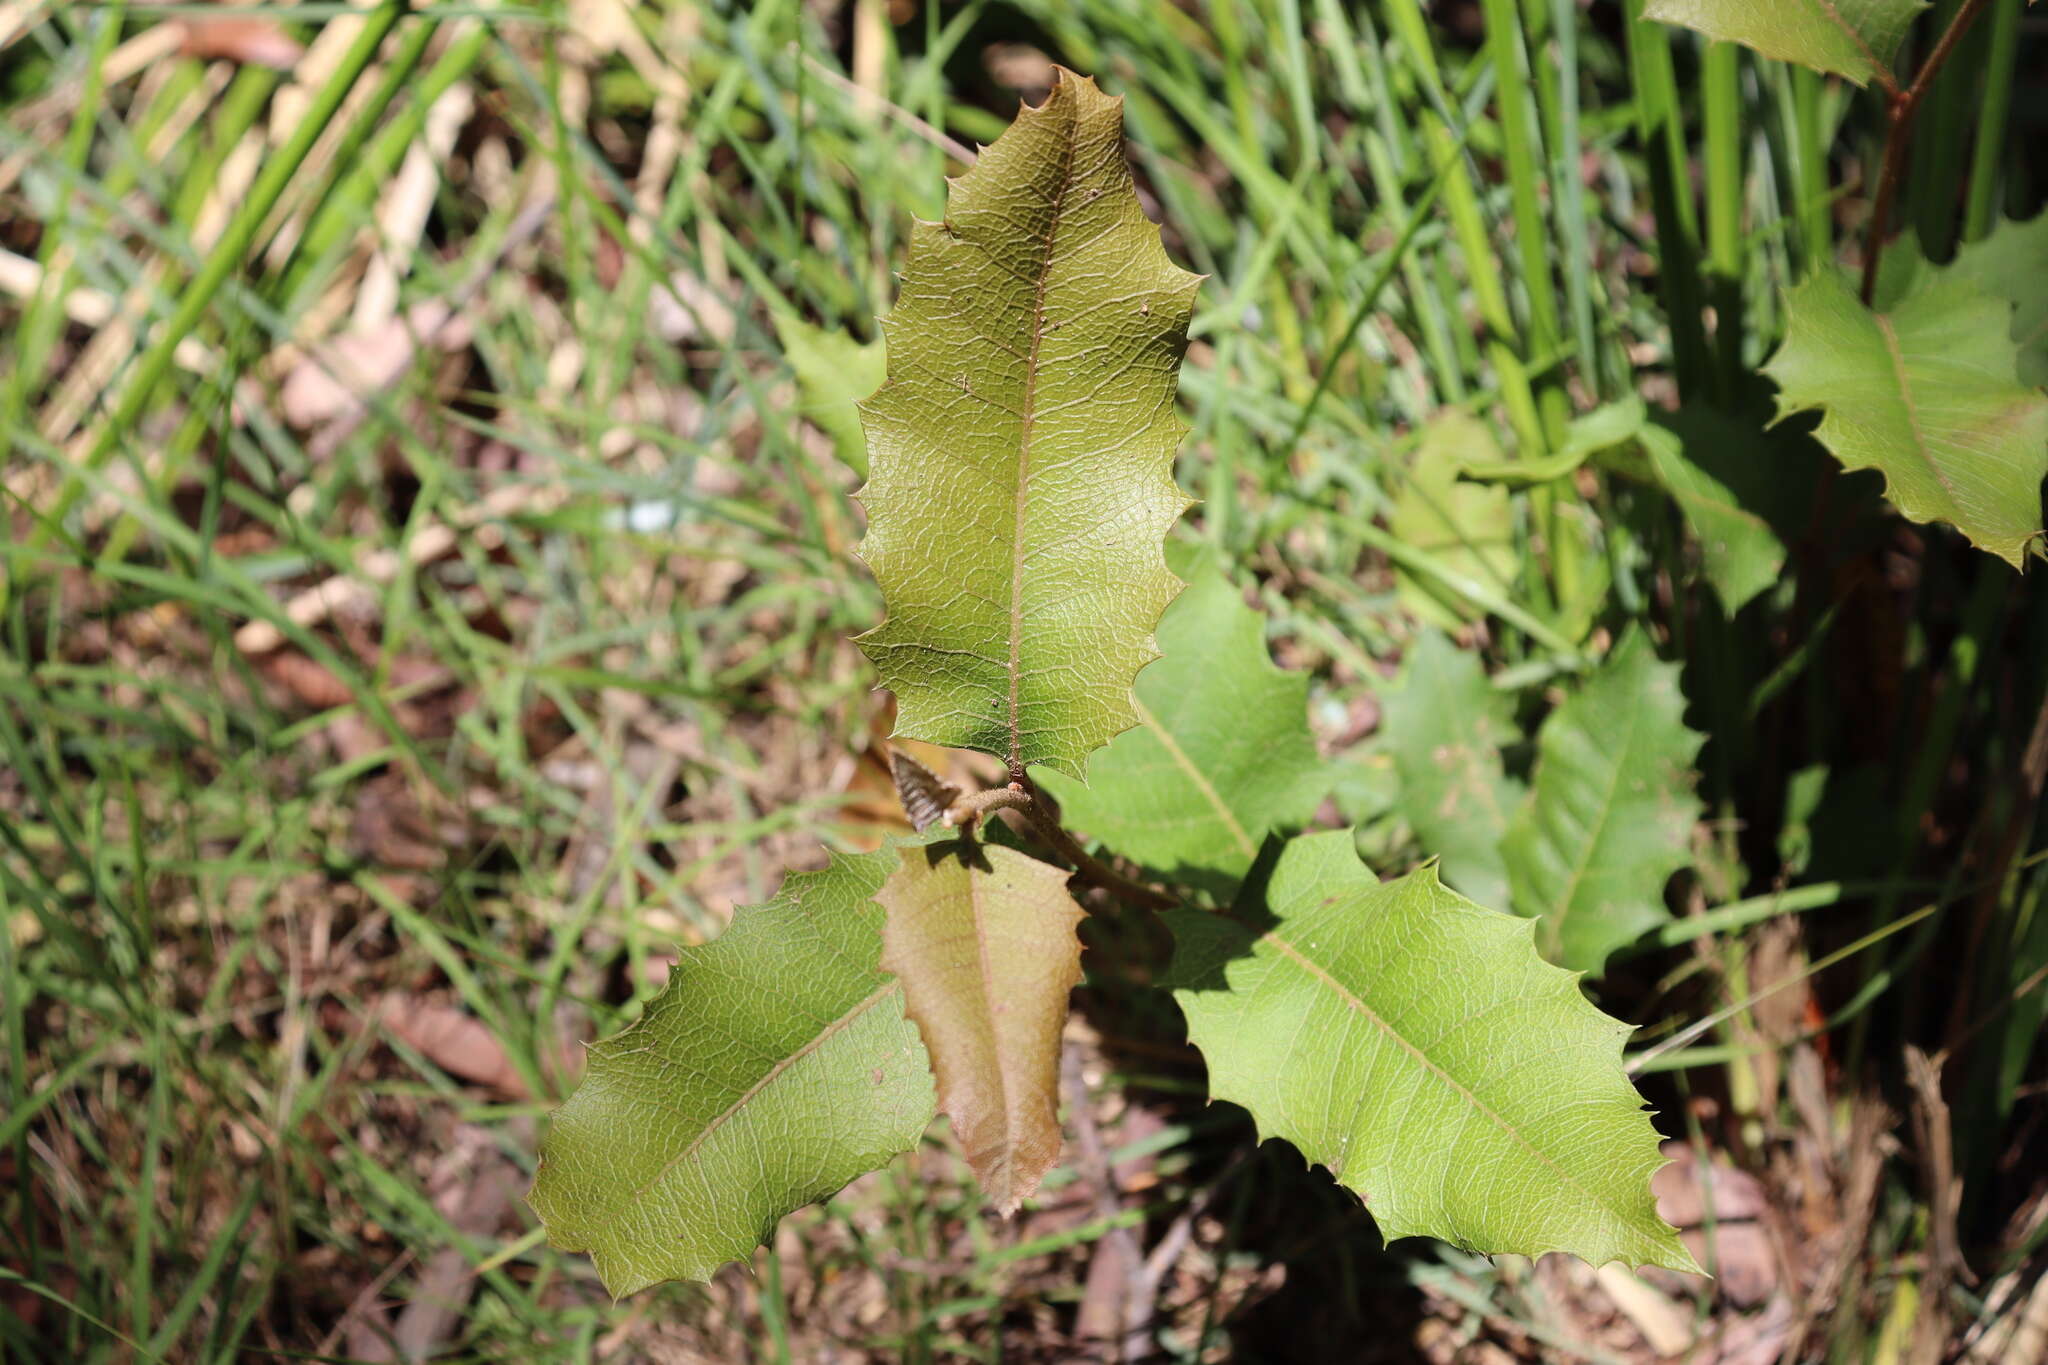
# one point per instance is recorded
(1022, 797)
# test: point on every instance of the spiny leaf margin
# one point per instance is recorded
(1021, 453)
(788, 1001)
(983, 939)
(1223, 753)
(1926, 393)
(1611, 810)
(1414, 1043)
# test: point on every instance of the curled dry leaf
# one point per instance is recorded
(457, 1042)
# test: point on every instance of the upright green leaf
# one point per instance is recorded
(1926, 395)
(1467, 527)
(1445, 728)
(1022, 451)
(1611, 814)
(1222, 751)
(982, 938)
(833, 373)
(1416, 1045)
(1858, 39)
(776, 1066)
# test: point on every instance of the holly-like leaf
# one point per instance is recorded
(1857, 39)
(1611, 813)
(1021, 484)
(1466, 527)
(833, 373)
(1926, 395)
(982, 938)
(1221, 754)
(2011, 264)
(1445, 728)
(776, 1066)
(1415, 1044)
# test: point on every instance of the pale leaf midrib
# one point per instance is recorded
(1562, 909)
(1897, 356)
(1463, 1091)
(988, 1018)
(1196, 776)
(810, 1045)
(1073, 137)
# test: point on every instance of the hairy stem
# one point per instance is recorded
(1022, 797)
(1898, 134)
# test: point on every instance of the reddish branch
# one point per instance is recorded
(1904, 105)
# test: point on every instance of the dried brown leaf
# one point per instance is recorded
(252, 42)
(983, 940)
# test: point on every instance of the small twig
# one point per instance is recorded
(1944, 1201)
(1904, 105)
(1019, 796)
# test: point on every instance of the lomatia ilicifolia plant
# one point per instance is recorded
(1019, 497)
(1435, 1053)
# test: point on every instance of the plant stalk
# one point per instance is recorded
(1898, 134)
(1022, 797)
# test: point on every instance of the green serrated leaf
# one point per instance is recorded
(776, 1066)
(1469, 528)
(982, 938)
(1022, 483)
(1445, 728)
(1926, 395)
(1610, 816)
(2011, 264)
(1415, 1044)
(1221, 754)
(1857, 39)
(833, 373)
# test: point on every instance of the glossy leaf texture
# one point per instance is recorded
(1415, 1044)
(1610, 812)
(1021, 482)
(1858, 39)
(1927, 394)
(833, 373)
(1222, 752)
(1445, 727)
(776, 1066)
(983, 939)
